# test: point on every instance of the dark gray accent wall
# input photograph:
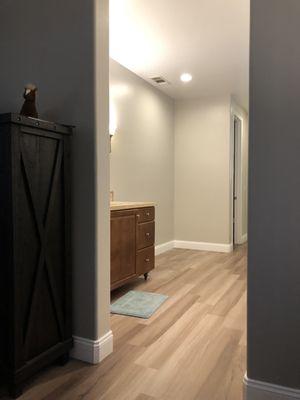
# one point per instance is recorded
(51, 43)
(274, 201)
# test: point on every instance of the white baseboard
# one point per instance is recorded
(256, 390)
(203, 246)
(92, 351)
(162, 248)
(244, 238)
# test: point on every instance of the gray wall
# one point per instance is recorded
(142, 158)
(51, 43)
(274, 201)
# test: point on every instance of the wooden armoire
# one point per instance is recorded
(35, 247)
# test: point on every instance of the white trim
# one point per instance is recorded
(256, 390)
(203, 246)
(239, 175)
(239, 182)
(244, 239)
(92, 351)
(163, 248)
(237, 112)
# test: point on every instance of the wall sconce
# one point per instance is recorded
(112, 132)
(112, 123)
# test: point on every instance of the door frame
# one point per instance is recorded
(236, 235)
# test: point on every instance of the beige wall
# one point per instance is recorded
(202, 170)
(142, 158)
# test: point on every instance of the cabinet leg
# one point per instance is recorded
(146, 275)
(64, 359)
(15, 391)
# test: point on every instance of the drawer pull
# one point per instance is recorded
(147, 260)
(138, 215)
(148, 234)
(148, 214)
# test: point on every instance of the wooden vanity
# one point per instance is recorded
(132, 241)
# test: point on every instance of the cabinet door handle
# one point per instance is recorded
(147, 260)
(138, 215)
(148, 234)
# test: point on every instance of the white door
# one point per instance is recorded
(237, 174)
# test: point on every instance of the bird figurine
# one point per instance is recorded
(29, 106)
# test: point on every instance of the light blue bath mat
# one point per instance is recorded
(138, 304)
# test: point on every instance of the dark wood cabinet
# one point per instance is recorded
(145, 235)
(145, 260)
(35, 247)
(132, 244)
(123, 246)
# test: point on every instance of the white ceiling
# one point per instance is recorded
(207, 38)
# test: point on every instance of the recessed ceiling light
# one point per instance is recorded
(186, 77)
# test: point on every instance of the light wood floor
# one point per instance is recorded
(193, 348)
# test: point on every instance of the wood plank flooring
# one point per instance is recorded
(193, 348)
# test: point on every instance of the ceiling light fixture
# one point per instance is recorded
(186, 77)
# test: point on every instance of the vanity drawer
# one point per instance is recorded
(145, 214)
(145, 260)
(145, 235)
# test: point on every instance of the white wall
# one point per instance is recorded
(142, 158)
(202, 170)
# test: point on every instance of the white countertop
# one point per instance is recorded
(128, 205)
